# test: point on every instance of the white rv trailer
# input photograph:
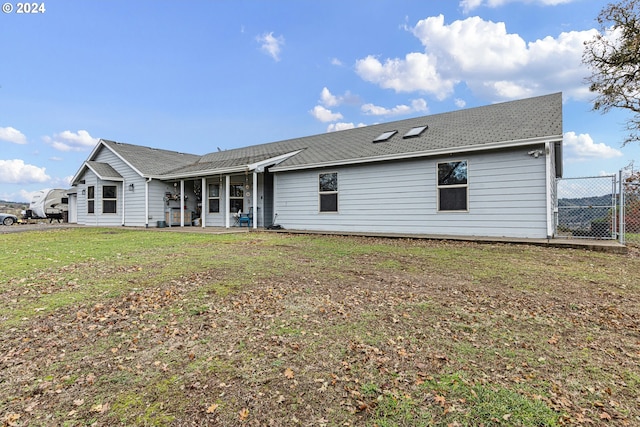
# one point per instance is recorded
(48, 203)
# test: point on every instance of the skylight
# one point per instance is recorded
(416, 131)
(385, 136)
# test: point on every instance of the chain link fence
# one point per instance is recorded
(587, 208)
(630, 213)
(603, 207)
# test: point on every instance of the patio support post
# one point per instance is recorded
(124, 195)
(254, 203)
(182, 203)
(146, 202)
(227, 188)
(204, 195)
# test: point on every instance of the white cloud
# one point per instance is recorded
(271, 45)
(324, 114)
(460, 103)
(469, 5)
(17, 172)
(416, 72)
(472, 45)
(417, 105)
(333, 127)
(582, 147)
(10, 134)
(492, 62)
(330, 100)
(336, 62)
(70, 141)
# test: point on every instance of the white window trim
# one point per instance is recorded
(104, 199)
(321, 193)
(438, 187)
(91, 199)
(209, 198)
(241, 184)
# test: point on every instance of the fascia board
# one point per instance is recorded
(272, 160)
(76, 177)
(91, 157)
(417, 154)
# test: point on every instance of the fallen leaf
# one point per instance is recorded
(78, 402)
(553, 340)
(211, 409)
(289, 373)
(605, 416)
(440, 400)
(90, 379)
(243, 414)
(100, 408)
(11, 419)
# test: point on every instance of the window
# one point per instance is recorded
(236, 198)
(214, 198)
(385, 136)
(452, 186)
(328, 192)
(91, 196)
(109, 198)
(417, 131)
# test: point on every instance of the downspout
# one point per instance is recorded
(550, 180)
(255, 200)
(146, 202)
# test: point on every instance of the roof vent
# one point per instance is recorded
(385, 136)
(416, 131)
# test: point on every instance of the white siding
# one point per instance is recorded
(97, 217)
(134, 200)
(507, 197)
(214, 219)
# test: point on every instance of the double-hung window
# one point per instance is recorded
(214, 198)
(328, 192)
(91, 198)
(236, 198)
(453, 186)
(109, 199)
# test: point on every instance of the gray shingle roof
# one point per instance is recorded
(527, 119)
(151, 161)
(104, 171)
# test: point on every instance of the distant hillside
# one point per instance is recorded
(580, 212)
(13, 207)
(587, 201)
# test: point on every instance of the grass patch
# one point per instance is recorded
(116, 326)
(476, 404)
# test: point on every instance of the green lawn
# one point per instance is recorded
(111, 326)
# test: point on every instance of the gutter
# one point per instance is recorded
(146, 202)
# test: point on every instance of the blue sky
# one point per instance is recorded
(196, 75)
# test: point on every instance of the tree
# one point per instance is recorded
(614, 58)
